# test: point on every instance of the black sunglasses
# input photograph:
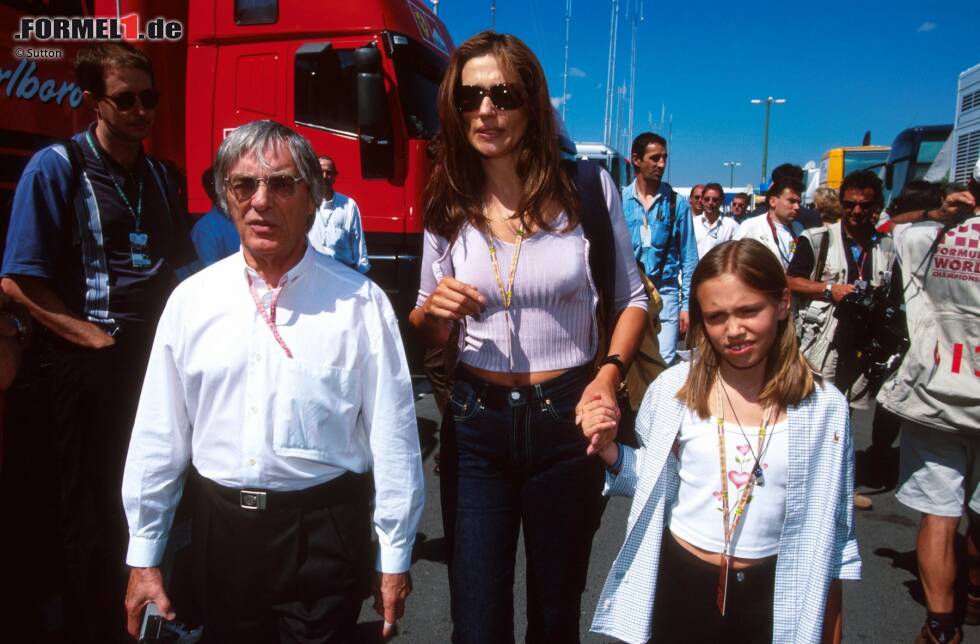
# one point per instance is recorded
(503, 96)
(125, 101)
(281, 186)
(851, 205)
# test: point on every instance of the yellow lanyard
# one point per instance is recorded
(507, 294)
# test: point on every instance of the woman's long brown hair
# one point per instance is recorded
(788, 376)
(454, 195)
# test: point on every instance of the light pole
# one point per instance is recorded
(731, 171)
(493, 15)
(435, 7)
(564, 81)
(765, 132)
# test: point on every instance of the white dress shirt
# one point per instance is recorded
(221, 393)
(709, 235)
(783, 245)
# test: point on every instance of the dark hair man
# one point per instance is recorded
(301, 430)
(740, 207)
(935, 392)
(96, 235)
(696, 193)
(214, 235)
(777, 228)
(662, 233)
(710, 227)
(808, 217)
(337, 230)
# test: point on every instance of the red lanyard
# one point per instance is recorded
(270, 315)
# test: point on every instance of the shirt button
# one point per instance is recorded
(251, 461)
(258, 357)
(254, 409)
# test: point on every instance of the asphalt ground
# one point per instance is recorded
(886, 606)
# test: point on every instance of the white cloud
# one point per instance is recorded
(575, 72)
(926, 26)
(558, 101)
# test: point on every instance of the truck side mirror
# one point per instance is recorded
(373, 122)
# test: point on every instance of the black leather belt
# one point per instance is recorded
(347, 488)
(499, 396)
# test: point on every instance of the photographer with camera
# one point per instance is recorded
(840, 276)
(936, 391)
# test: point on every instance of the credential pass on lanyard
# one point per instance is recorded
(270, 315)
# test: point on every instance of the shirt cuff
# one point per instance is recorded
(393, 559)
(145, 552)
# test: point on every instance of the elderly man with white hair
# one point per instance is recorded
(280, 376)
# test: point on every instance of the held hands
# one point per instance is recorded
(390, 592)
(453, 300)
(597, 410)
(145, 586)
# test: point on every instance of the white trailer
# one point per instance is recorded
(966, 131)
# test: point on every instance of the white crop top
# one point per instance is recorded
(696, 516)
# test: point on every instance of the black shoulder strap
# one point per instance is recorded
(822, 254)
(597, 227)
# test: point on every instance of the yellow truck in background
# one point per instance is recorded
(837, 163)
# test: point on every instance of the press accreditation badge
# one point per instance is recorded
(139, 250)
(646, 236)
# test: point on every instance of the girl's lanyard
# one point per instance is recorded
(270, 315)
(139, 242)
(506, 294)
(730, 524)
(787, 256)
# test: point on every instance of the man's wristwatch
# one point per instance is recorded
(18, 325)
(828, 292)
(614, 359)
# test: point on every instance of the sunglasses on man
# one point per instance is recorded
(125, 101)
(504, 96)
(851, 205)
(280, 186)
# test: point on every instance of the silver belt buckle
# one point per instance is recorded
(252, 499)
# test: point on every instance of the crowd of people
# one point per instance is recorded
(271, 390)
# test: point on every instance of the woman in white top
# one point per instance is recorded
(742, 486)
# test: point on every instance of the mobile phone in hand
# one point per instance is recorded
(152, 624)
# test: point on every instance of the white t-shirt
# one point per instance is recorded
(696, 516)
(709, 235)
(783, 245)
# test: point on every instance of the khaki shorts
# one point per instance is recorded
(937, 470)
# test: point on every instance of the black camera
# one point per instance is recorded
(875, 328)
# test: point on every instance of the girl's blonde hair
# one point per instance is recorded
(788, 377)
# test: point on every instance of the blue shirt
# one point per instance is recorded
(672, 251)
(84, 249)
(337, 232)
(215, 236)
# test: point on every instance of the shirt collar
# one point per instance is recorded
(305, 265)
(663, 190)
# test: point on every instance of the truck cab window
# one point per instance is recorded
(326, 91)
(256, 12)
(419, 73)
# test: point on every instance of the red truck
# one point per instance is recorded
(358, 79)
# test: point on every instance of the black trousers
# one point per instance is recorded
(686, 610)
(69, 419)
(292, 574)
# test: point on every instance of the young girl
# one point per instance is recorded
(742, 487)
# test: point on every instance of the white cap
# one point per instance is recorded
(976, 171)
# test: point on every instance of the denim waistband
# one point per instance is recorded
(499, 396)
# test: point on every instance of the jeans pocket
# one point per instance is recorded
(464, 403)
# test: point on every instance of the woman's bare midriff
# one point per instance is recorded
(738, 563)
(513, 379)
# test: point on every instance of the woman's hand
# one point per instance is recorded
(453, 300)
(602, 389)
(599, 421)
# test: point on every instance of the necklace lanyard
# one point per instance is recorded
(136, 212)
(507, 294)
(731, 524)
(270, 315)
(775, 238)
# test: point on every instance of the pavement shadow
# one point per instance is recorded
(428, 436)
(907, 561)
(426, 549)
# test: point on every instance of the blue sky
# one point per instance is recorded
(843, 67)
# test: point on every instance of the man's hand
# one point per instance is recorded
(390, 592)
(683, 322)
(839, 291)
(955, 205)
(145, 586)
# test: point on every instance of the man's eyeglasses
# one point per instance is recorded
(503, 96)
(851, 205)
(711, 199)
(281, 186)
(125, 101)
(695, 197)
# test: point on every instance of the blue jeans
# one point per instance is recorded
(669, 322)
(513, 457)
